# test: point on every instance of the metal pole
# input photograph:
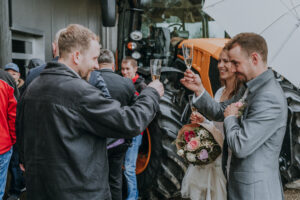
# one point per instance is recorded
(205, 30)
(5, 34)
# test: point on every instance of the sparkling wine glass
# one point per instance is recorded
(155, 68)
(187, 50)
(193, 108)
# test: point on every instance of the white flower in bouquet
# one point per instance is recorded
(191, 157)
(180, 152)
(201, 132)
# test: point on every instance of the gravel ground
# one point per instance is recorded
(290, 194)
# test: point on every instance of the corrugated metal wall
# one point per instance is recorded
(109, 38)
(46, 17)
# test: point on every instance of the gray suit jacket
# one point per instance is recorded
(255, 139)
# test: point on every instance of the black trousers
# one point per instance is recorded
(115, 160)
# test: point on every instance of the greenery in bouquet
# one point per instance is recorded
(198, 146)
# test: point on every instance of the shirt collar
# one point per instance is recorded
(55, 59)
(106, 70)
(135, 78)
(260, 80)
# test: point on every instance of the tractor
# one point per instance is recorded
(157, 29)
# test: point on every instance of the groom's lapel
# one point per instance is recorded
(245, 112)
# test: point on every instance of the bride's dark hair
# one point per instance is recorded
(237, 84)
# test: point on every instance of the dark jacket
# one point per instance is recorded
(35, 72)
(63, 125)
(139, 83)
(97, 80)
(35, 62)
(120, 89)
(8, 98)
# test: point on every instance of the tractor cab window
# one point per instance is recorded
(165, 23)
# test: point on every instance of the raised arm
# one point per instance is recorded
(106, 118)
(204, 103)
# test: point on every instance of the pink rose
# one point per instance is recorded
(203, 155)
(188, 135)
(239, 104)
(193, 144)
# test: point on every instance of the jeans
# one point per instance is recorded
(130, 165)
(17, 180)
(4, 163)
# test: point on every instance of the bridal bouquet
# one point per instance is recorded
(199, 144)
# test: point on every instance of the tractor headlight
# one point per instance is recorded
(136, 35)
(136, 55)
(132, 45)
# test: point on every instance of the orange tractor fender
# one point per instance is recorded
(204, 48)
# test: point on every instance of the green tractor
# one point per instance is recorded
(157, 29)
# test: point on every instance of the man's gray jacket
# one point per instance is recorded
(255, 139)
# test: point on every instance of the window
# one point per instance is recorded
(19, 46)
(24, 48)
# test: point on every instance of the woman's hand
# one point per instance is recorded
(22, 167)
(196, 117)
(192, 82)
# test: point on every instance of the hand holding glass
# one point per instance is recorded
(155, 68)
(187, 50)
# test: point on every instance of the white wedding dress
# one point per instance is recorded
(206, 182)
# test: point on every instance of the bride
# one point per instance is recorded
(208, 182)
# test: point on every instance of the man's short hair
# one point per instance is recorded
(250, 42)
(55, 39)
(130, 61)
(75, 37)
(106, 56)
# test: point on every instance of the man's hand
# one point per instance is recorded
(22, 167)
(158, 86)
(192, 82)
(196, 118)
(233, 109)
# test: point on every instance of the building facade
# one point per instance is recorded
(28, 27)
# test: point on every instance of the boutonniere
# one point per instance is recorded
(242, 103)
(242, 106)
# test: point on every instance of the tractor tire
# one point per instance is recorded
(165, 171)
(289, 160)
(162, 178)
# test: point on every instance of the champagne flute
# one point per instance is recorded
(155, 68)
(193, 108)
(187, 50)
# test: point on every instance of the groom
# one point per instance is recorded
(256, 136)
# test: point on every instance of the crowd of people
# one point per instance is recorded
(74, 123)
(68, 108)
